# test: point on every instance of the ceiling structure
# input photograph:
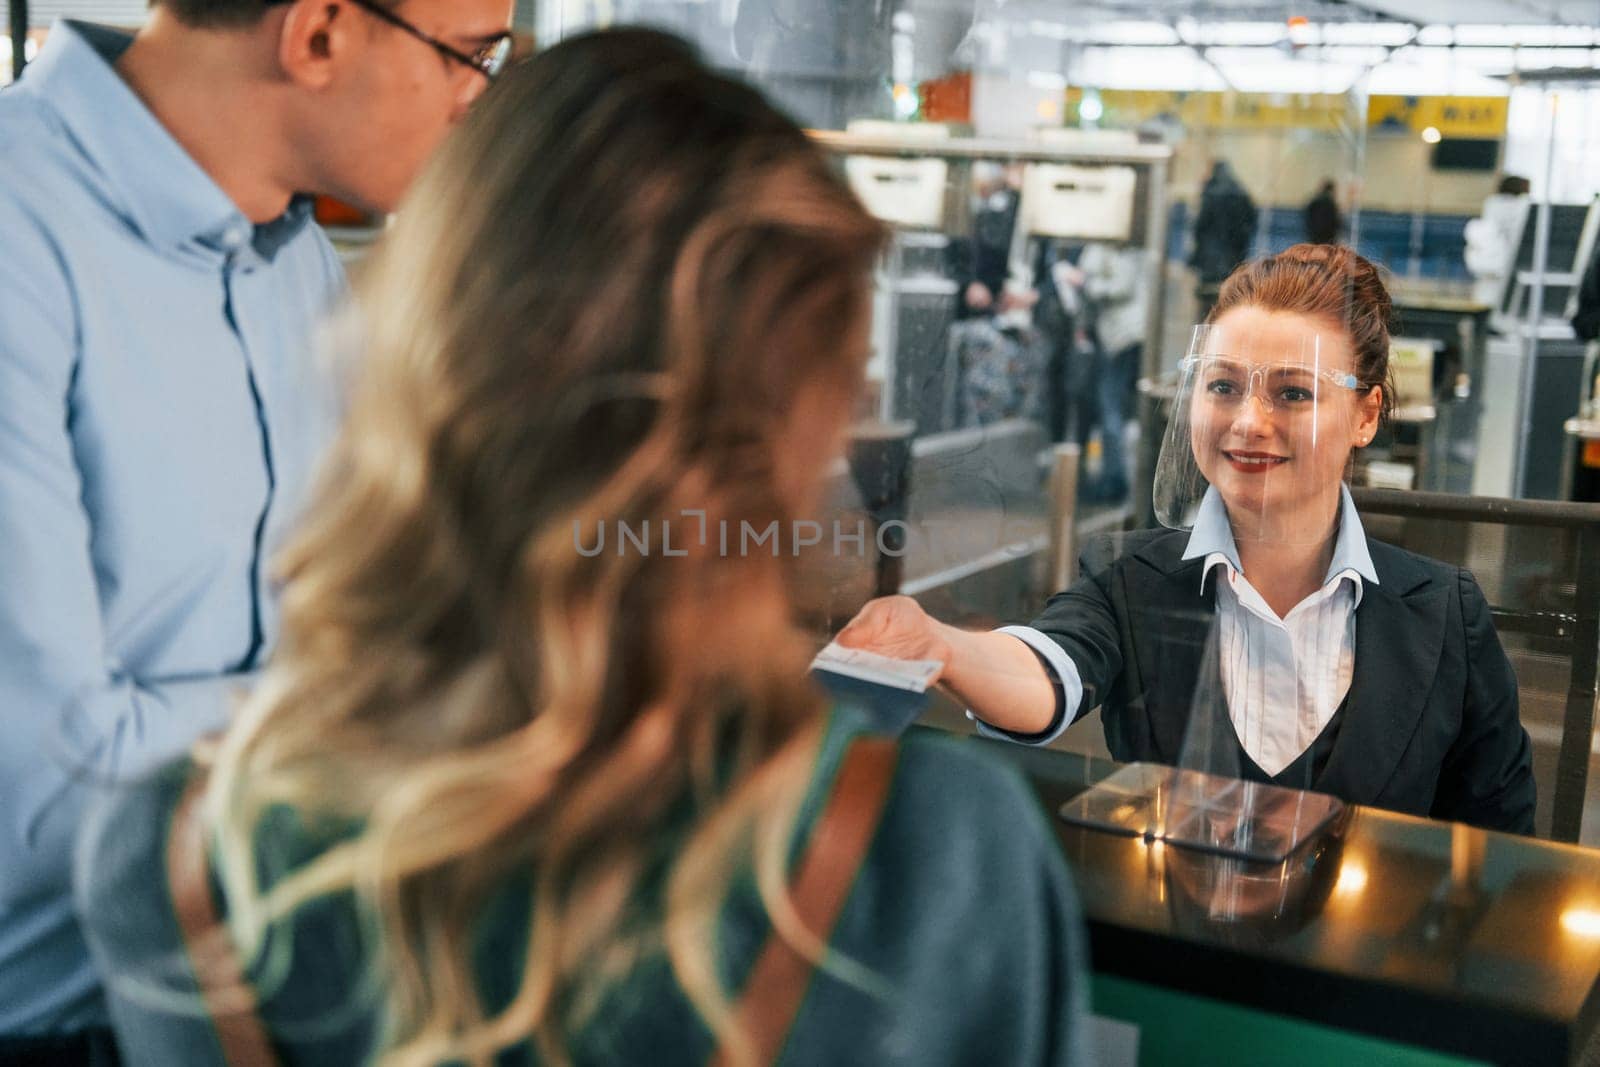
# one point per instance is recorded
(1419, 12)
(133, 12)
(1408, 46)
(1490, 12)
(1456, 47)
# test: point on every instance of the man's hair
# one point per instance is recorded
(222, 14)
(216, 14)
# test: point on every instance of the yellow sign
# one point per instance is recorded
(1222, 111)
(1288, 111)
(1452, 116)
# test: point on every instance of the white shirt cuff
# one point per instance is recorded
(1063, 672)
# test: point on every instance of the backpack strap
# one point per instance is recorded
(765, 1011)
(839, 842)
(230, 1000)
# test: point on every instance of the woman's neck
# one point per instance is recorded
(1291, 563)
(1285, 575)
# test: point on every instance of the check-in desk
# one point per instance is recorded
(1391, 940)
(1460, 327)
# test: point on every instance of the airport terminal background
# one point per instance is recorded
(1416, 113)
(1049, 144)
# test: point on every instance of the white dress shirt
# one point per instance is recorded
(1284, 678)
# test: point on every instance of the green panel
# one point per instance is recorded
(1176, 1028)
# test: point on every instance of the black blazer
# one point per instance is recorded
(1430, 727)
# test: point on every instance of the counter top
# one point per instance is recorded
(1481, 944)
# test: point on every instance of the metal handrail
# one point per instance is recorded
(1464, 508)
(1582, 626)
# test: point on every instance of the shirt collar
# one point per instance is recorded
(1211, 539)
(156, 183)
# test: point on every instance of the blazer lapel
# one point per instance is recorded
(1171, 629)
(1399, 637)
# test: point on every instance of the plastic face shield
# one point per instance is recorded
(1267, 417)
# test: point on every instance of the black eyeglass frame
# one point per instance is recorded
(489, 60)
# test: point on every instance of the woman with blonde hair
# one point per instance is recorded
(508, 795)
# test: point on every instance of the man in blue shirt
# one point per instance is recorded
(160, 414)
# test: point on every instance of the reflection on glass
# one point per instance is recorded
(1246, 820)
(1249, 903)
(1581, 922)
(1352, 880)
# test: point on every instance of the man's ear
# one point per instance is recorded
(314, 35)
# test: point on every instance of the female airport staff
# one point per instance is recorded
(1342, 664)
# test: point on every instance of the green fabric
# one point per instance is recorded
(963, 909)
(1176, 1028)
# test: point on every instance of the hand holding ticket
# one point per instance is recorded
(912, 675)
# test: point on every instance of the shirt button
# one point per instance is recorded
(234, 237)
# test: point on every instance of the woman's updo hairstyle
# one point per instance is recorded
(1332, 283)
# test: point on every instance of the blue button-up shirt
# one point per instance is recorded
(160, 413)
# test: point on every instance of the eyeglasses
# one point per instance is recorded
(489, 59)
(1292, 387)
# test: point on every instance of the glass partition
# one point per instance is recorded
(1067, 188)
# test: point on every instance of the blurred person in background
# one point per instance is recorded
(1003, 356)
(1324, 221)
(158, 417)
(980, 263)
(501, 794)
(1224, 226)
(1586, 315)
(1491, 239)
(1113, 281)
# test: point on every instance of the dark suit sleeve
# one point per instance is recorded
(1487, 776)
(1083, 621)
